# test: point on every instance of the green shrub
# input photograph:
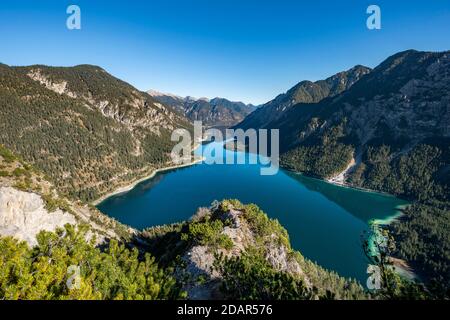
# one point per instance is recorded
(53, 204)
(6, 154)
(208, 233)
(4, 173)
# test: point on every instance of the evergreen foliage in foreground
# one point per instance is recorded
(116, 272)
(44, 272)
(387, 283)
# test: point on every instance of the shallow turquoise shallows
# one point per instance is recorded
(324, 221)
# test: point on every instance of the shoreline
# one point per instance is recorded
(343, 185)
(133, 184)
(389, 220)
(400, 266)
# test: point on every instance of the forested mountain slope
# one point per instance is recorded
(88, 131)
(390, 131)
(47, 239)
(396, 115)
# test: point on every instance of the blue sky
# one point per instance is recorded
(244, 50)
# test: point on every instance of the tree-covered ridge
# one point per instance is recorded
(421, 174)
(70, 264)
(423, 231)
(323, 157)
(114, 97)
(423, 240)
(85, 149)
(401, 102)
(95, 248)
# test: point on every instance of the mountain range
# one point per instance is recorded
(217, 112)
(400, 104)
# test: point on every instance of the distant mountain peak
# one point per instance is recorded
(155, 94)
(400, 103)
(204, 99)
(216, 112)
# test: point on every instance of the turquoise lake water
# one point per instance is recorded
(324, 221)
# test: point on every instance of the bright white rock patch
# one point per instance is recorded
(23, 215)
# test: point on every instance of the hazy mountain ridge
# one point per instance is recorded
(217, 112)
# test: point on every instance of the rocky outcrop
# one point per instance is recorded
(30, 204)
(23, 215)
(58, 87)
(199, 259)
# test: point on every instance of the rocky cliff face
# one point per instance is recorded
(114, 98)
(23, 215)
(199, 259)
(415, 103)
(404, 98)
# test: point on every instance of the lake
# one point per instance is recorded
(324, 221)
